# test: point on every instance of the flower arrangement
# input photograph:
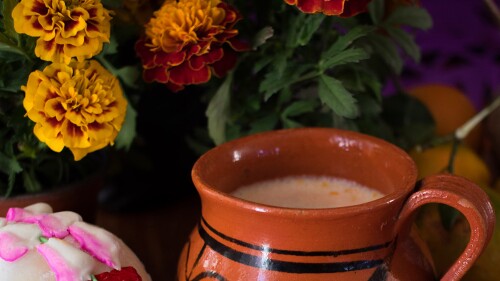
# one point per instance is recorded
(55, 93)
(282, 64)
(73, 72)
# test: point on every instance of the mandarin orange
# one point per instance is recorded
(450, 107)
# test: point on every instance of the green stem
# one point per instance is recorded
(106, 64)
(453, 154)
(10, 184)
(307, 76)
(438, 141)
(465, 129)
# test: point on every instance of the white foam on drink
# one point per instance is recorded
(307, 192)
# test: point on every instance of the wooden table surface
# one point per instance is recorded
(156, 235)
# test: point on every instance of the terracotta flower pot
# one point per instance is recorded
(238, 239)
(80, 197)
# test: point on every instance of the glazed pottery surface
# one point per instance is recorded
(241, 240)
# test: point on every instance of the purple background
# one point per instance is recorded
(462, 49)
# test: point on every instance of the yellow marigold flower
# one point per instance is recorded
(66, 29)
(79, 106)
(188, 40)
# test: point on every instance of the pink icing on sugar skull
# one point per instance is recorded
(11, 247)
(97, 241)
(37, 244)
(52, 225)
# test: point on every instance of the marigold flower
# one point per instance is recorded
(185, 42)
(341, 8)
(79, 106)
(127, 273)
(66, 29)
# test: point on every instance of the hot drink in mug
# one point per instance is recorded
(306, 237)
(308, 192)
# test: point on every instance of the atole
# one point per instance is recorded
(241, 240)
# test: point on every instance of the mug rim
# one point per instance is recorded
(222, 197)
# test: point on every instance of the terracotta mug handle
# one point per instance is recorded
(467, 198)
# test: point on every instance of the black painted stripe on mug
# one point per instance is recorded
(209, 274)
(297, 253)
(284, 266)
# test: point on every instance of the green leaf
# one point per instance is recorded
(261, 64)
(128, 132)
(346, 40)
(8, 23)
(406, 41)
(289, 123)
(274, 82)
(361, 79)
(218, 111)
(387, 50)
(128, 75)
(6, 45)
(368, 105)
(298, 108)
(376, 9)
(376, 127)
(10, 184)
(352, 55)
(309, 28)
(344, 123)
(31, 184)
(280, 63)
(111, 47)
(416, 17)
(265, 123)
(13, 74)
(410, 119)
(292, 33)
(295, 109)
(9, 164)
(336, 97)
(285, 95)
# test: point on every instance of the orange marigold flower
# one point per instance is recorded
(341, 8)
(66, 29)
(185, 42)
(79, 106)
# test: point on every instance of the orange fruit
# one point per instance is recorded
(450, 108)
(467, 162)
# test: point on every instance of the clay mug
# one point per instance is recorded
(237, 239)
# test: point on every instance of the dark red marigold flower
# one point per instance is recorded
(187, 40)
(341, 8)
